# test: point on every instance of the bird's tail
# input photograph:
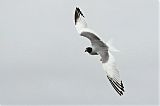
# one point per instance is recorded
(112, 48)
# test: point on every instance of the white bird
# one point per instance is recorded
(99, 48)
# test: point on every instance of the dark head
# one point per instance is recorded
(88, 49)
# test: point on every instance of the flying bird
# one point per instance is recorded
(98, 47)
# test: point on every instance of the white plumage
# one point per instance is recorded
(100, 48)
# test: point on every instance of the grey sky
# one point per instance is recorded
(42, 58)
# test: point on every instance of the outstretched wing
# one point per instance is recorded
(79, 19)
(82, 28)
(113, 74)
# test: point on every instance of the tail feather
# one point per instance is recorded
(112, 48)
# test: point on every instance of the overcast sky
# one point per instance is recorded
(42, 58)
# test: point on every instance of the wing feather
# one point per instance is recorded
(91, 36)
(113, 74)
(115, 87)
(81, 26)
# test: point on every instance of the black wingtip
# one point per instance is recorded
(118, 87)
(77, 14)
(79, 11)
(115, 87)
(122, 84)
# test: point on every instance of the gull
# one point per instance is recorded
(98, 47)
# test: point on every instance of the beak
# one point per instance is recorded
(85, 51)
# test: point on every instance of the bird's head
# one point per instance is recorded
(88, 49)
